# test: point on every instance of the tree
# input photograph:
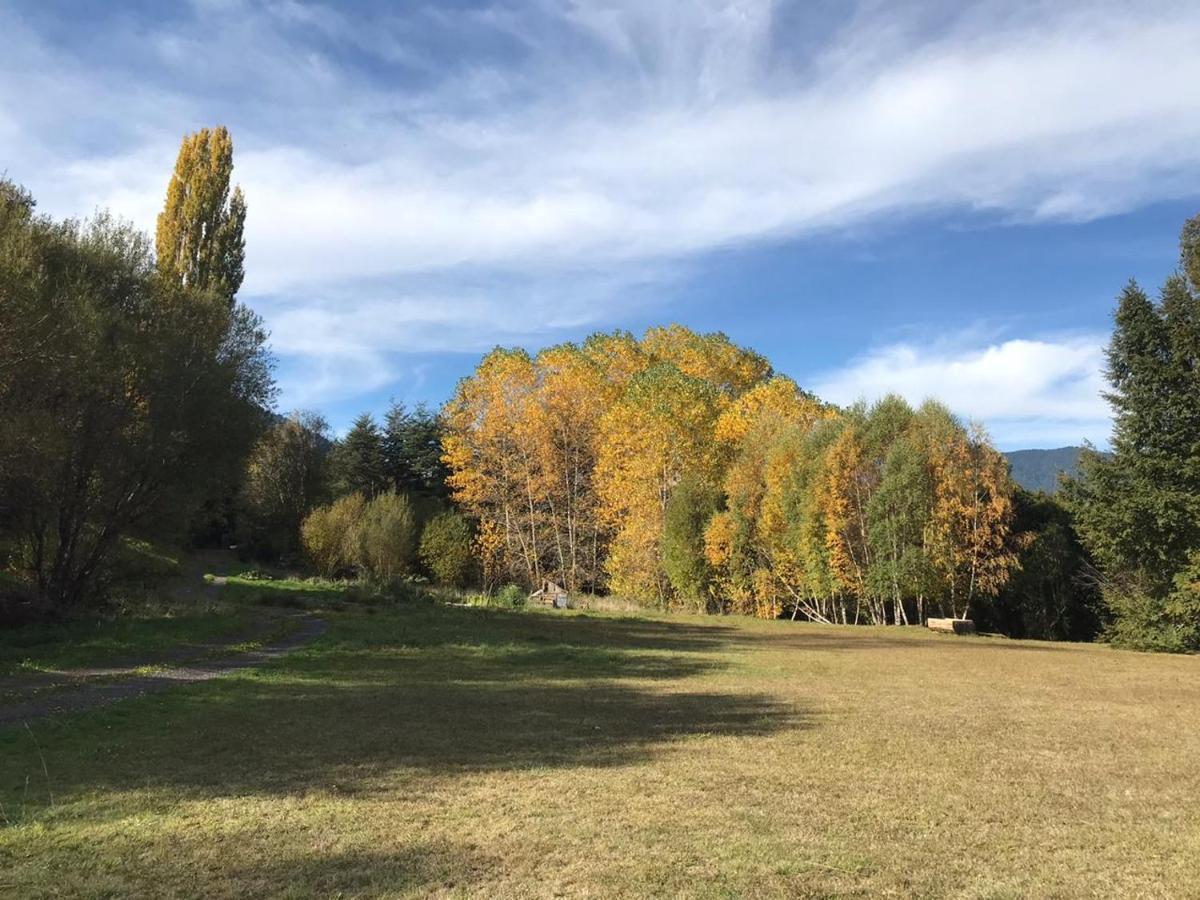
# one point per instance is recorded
(200, 239)
(1138, 509)
(571, 398)
(135, 393)
(412, 452)
(688, 512)
(385, 537)
(447, 548)
(658, 432)
(329, 533)
(968, 537)
(1190, 252)
(1051, 595)
(489, 449)
(357, 463)
(756, 572)
(286, 478)
(896, 515)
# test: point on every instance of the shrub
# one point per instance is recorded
(328, 533)
(446, 549)
(510, 596)
(385, 539)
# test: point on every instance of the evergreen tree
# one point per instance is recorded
(200, 240)
(1138, 509)
(1050, 596)
(412, 451)
(358, 462)
(1190, 255)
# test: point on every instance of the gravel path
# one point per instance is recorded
(89, 696)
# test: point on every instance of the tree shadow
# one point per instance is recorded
(433, 691)
(422, 866)
(834, 638)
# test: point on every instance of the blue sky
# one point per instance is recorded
(932, 198)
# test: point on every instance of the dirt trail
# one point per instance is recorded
(122, 683)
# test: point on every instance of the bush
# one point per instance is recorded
(385, 540)
(328, 534)
(446, 549)
(510, 596)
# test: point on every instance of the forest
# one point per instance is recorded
(672, 469)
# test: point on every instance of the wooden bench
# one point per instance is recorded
(951, 626)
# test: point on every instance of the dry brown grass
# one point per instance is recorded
(480, 753)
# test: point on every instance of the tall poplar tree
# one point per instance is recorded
(199, 241)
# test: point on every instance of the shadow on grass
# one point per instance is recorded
(377, 872)
(431, 690)
(819, 638)
(401, 867)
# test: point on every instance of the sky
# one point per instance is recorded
(928, 198)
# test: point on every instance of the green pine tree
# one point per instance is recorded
(357, 461)
(1138, 509)
(412, 450)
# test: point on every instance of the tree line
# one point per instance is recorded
(678, 469)
(675, 468)
(132, 382)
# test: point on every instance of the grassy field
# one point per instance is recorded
(452, 751)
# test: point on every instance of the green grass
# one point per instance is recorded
(100, 641)
(418, 749)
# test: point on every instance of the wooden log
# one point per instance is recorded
(951, 626)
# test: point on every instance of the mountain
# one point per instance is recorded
(1037, 470)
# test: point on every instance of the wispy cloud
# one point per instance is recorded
(1045, 393)
(561, 140)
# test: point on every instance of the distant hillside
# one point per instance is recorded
(1037, 470)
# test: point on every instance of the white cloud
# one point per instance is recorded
(1043, 393)
(675, 129)
(391, 158)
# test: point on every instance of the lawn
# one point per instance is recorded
(428, 749)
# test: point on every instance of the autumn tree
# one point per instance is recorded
(691, 506)
(199, 240)
(756, 574)
(678, 468)
(490, 451)
(658, 431)
(968, 537)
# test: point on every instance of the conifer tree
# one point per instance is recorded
(199, 241)
(358, 462)
(1138, 509)
(412, 451)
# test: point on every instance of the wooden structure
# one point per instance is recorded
(551, 594)
(952, 626)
